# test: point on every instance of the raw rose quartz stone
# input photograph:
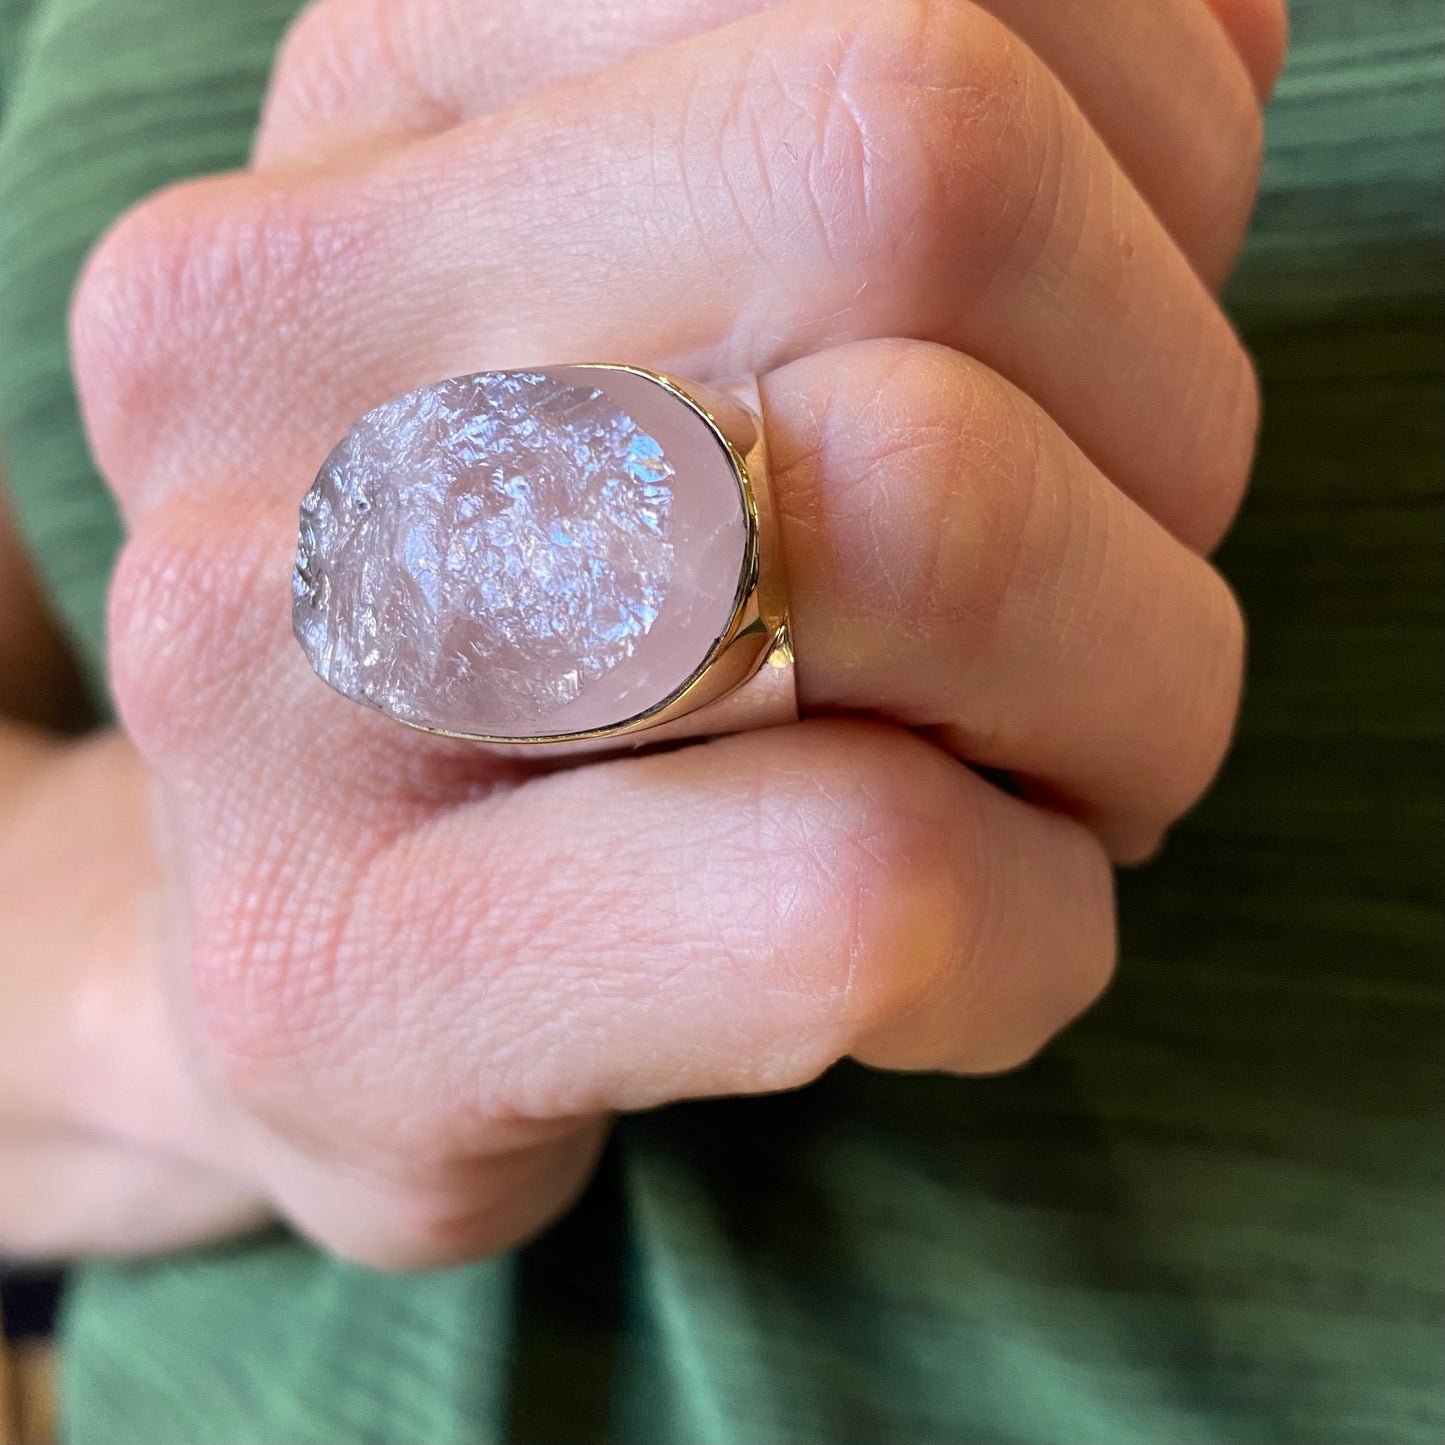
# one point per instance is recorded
(520, 554)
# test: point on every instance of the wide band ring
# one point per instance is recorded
(573, 557)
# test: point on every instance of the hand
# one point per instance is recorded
(970, 250)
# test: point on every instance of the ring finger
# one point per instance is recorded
(955, 565)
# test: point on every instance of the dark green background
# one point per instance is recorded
(1212, 1213)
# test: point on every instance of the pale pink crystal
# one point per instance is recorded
(520, 553)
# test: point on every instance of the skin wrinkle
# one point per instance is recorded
(922, 598)
(927, 599)
(839, 166)
(830, 880)
(1010, 442)
(299, 968)
(567, 1025)
(504, 914)
(402, 33)
(1101, 199)
(739, 118)
(179, 260)
(689, 953)
(906, 55)
(702, 228)
(947, 597)
(268, 963)
(997, 127)
(887, 862)
(957, 1001)
(1076, 616)
(911, 608)
(176, 689)
(799, 494)
(380, 947)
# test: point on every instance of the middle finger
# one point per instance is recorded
(817, 174)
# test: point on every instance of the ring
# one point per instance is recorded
(565, 555)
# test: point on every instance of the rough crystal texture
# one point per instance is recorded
(520, 554)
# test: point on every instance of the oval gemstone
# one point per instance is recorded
(521, 554)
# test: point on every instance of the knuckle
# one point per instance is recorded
(1248, 148)
(422, 1229)
(1245, 409)
(896, 121)
(272, 1007)
(1261, 33)
(319, 62)
(1216, 436)
(913, 503)
(1275, 17)
(153, 634)
(977, 503)
(1226, 174)
(942, 449)
(978, 144)
(121, 303)
(169, 301)
(137, 296)
(881, 880)
(1096, 941)
(347, 68)
(403, 1213)
(195, 596)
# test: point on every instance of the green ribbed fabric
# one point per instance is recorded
(1212, 1213)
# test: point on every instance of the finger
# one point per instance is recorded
(71, 1197)
(812, 176)
(851, 805)
(1259, 32)
(356, 74)
(407, 1210)
(956, 564)
(727, 918)
(1161, 83)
